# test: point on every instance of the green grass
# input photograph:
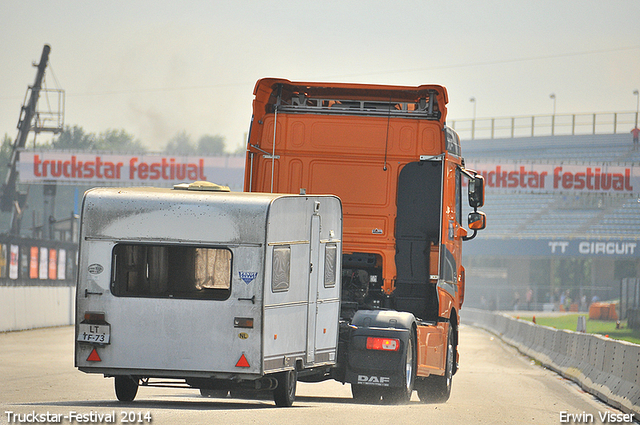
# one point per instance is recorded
(602, 327)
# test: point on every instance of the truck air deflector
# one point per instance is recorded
(424, 102)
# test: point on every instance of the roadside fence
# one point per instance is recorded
(546, 125)
(606, 368)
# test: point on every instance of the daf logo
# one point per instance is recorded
(382, 381)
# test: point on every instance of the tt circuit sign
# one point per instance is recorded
(619, 248)
(534, 177)
(119, 169)
(559, 248)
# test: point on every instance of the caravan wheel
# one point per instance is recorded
(207, 392)
(126, 388)
(285, 393)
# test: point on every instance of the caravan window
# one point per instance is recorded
(330, 255)
(171, 271)
(281, 269)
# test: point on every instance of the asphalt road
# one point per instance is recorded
(495, 385)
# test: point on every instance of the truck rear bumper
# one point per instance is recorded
(376, 367)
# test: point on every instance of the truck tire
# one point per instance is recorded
(403, 394)
(285, 393)
(126, 388)
(366, 393)
(437, 389)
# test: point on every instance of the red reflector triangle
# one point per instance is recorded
(94, 357)
(242, 362)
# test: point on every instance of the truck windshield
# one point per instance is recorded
(171, 271)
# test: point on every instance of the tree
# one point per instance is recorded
(180, 144)
(240, 150)
(211, 145)
(118, 141)
(74, 138)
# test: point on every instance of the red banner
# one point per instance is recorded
(560, 177)
(125, 169)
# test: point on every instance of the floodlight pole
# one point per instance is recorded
(637, 94)
(473, 122)
(552, 96)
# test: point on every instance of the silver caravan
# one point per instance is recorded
(218, 290)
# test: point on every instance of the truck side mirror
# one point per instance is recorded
(476, 192)
(477, 220)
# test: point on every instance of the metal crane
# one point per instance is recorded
(12, 200)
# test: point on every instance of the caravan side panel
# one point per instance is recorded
(301, 311)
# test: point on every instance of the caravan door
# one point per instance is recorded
(314, 268)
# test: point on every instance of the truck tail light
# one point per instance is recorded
(386, 344)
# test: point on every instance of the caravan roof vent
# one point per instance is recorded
(202, 185)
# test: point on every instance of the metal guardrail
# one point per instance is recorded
(546, 125)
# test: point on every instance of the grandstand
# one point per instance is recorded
(579, 243)
(609, 148)
(548, 215)
(538, 216)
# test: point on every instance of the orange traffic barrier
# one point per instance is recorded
(603, 311)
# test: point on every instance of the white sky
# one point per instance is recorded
(154, 68)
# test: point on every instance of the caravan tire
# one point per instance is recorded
(126, 388)
(285, 393)
(207, 392)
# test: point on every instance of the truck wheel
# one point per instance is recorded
(285, 393)
(437, 389)
(126, 388)
(365, 393)
(403, 394)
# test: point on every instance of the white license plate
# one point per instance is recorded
(94, 333)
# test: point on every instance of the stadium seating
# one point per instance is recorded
(547, 215)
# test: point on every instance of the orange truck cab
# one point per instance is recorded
(388, 154)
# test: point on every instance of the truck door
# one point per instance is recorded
(417, 236)
(314, 267)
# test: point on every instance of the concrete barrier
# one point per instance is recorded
(606, 368)
(28, 307)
